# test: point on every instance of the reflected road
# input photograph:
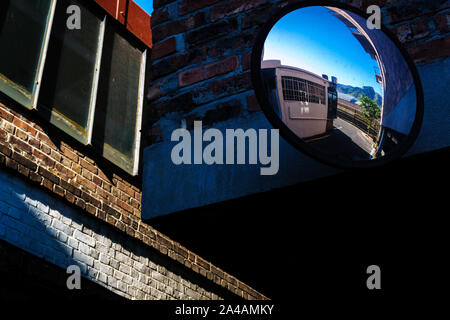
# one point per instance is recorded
(345, 142)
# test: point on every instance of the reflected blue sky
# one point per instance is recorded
(147, 5)
(313, 39)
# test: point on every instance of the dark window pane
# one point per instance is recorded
(22, 31)
(118, 97)
(69, 71)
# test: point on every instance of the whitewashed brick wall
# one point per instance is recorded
(46, 227)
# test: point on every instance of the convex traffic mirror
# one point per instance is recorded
(339, 90)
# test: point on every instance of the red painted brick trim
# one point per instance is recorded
(136, 20)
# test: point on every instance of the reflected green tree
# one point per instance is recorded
(370, 110)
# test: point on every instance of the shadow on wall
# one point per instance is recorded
(196, 186)
(24, 276)
(191, 186)
(33, 221)
(436, 121)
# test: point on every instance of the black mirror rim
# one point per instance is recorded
(297, 142)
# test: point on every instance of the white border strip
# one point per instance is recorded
(98, 61)
(43, 55)
(139, 114)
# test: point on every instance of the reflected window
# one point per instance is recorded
(294, 89)
(316, 93)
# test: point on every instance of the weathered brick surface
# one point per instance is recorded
(175, 27)
(209, 71)
(428, 51)
(232, 7)
(405, 10)
(175, 62)
(442, 22)
(37, 223)
(187, 6)
(78, 180)
(164, 48)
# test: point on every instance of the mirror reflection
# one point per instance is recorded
(341, 87)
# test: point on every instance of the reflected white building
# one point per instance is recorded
(304, 101)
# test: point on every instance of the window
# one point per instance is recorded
(332, 98)
(24, 32)
(68, 91)
(316, 93)
(117, 129)
(296, 89)
(92, 84)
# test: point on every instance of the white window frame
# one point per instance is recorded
(139, 113)
(95, 81)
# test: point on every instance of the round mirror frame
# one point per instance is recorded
(293, 139)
